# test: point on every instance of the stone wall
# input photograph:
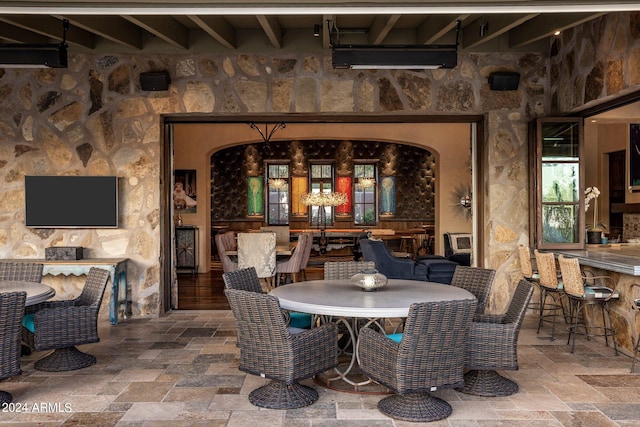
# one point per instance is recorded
(595, 61)
(92, 118)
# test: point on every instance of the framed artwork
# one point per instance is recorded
(388, 195)
(254, 196)
(298, 188)
(343, 185)
(184, 190)
(634, 156)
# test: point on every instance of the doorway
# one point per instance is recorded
(235, 131)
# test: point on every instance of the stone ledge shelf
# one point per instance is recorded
(621, 258)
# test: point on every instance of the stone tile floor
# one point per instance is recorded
(181, 370)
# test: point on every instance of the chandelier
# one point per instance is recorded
(323, 199)
(278, 183)
(365, 183)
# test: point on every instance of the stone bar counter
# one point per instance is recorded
(621, 262)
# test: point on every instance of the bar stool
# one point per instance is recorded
(551, 288)
(582, 296)
(530, 274)
(408, 244)
(636, 308)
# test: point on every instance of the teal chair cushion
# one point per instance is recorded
(396, 337)
(29, 322)
(299, 320)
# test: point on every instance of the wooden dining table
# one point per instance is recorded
(281, 250)
(36, 292)
(345, 303)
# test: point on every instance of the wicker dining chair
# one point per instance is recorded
(62, 325)
(11, 312)
(269, 350)
(247, 279)
(26, 271)
(430, 356)
(581, 296)
(345, 269)
(550, 289)
(476, 280)
(492, 344)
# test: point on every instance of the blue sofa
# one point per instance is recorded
(389, 265)
(432, 268)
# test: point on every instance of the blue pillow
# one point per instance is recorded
(29, 322)
(300, 320)
(396, 337)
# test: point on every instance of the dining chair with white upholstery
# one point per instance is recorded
(258, 250)
(292, 267)
(228, 264)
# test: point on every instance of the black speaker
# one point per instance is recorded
(504, 80)
(154, 80)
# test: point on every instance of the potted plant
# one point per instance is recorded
(594, 231)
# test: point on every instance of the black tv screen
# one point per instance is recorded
(71, 201)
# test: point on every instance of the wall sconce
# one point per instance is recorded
(316, 30)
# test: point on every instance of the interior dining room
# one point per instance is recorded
(430, 171)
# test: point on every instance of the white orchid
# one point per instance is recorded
(592, 193)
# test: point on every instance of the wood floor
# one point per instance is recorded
(205, 291)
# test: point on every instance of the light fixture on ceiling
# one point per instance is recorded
(316, 30)
(411, 57)
(278, 183)
(267, 134)
(24, 55)
(365, 183)
(484, 27)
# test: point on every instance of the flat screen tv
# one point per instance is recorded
(71, 201)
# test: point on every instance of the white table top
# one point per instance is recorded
(36, 292)
(342, 298)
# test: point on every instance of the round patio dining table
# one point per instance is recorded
(347, 303)
(36, 292)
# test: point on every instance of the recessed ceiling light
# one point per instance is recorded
(556, 33)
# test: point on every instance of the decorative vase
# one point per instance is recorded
(594, 237)
(369, 280)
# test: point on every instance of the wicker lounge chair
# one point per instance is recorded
(29, 272)
(11, 312)
(267, 349)
(430, 356)
(492, 344)
(62, 325)
(247, 279)
(476, 280)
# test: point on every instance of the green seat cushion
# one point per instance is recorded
(28, 322)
